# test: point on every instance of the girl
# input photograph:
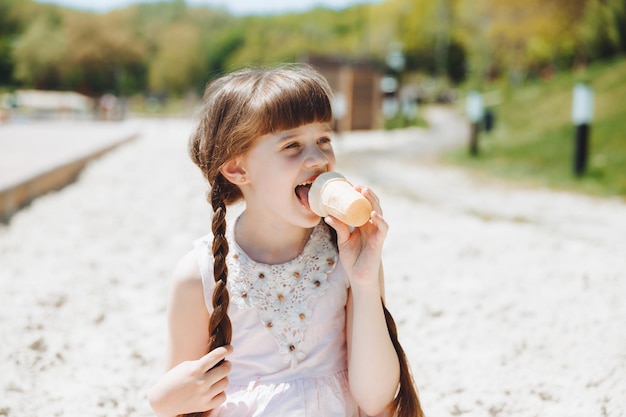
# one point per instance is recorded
(310, 335)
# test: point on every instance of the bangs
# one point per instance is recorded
(288, 100)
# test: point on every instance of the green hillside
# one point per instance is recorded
(533, 139)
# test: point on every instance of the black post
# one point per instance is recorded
(581, 148)
(489, 120)
(473, 143)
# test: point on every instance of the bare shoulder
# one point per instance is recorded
(188, 315)
(186, 284)
(187, 271)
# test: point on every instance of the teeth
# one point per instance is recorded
(306, 183)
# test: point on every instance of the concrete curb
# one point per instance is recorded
(18, 195)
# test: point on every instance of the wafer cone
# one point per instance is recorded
(331, 194)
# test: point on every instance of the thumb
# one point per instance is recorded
(214, 357)
(342, 229)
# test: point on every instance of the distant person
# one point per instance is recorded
(108, 106)
(309, 331)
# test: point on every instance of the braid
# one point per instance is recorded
(406, 403)
(220, 329)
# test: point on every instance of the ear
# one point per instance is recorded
(234, 171)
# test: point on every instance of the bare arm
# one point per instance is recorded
(190, 383)
(372, 360)
(373, 366)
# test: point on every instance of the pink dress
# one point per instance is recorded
(289, 335)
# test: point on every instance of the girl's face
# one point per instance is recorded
(279, 168)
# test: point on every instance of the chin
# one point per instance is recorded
(316, 221)
(311, 220)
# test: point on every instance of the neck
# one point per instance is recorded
(270, 243)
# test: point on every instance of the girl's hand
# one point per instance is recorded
(193, 386)
(361, 251)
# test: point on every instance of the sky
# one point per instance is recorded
(238, 7)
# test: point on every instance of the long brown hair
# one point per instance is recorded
(237, 109)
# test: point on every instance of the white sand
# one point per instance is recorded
(508, 299)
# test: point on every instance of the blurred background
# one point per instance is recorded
(517, 61)
(508, 294)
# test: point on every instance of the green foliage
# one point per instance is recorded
(534, 136)
(6, 63)
(219, 48)
(603, 31)
(9, 29)
(176, 60)
(529, 37)
(170, 46)
(35, 65)
(320, 31)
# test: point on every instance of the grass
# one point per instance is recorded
(533, 138)
(400, 121)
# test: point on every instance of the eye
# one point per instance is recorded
(324, 141)
(292, 146)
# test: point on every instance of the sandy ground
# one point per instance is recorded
(509, 299)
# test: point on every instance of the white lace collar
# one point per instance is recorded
(282, 294)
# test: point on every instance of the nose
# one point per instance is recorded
(316, 158)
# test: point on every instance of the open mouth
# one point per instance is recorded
(302, 192)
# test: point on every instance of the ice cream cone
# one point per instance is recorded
(331, 194)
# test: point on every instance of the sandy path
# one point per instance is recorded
(509, 300)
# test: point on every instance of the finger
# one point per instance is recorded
(380, 222)
(215, 393)
(214, 357)
(218, 372)
(213, 387)
(216, 401)
(371, 197)
(342, 229)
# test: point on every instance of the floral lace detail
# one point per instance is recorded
(281, 294)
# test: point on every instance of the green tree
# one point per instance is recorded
(9, 29)
(128, 51)
(426, 29)
(169, 46)
(177, 61)
(518, 34)
(603, 30)
(319, 31)
(221, 37)
(38, 53)
(102, 50)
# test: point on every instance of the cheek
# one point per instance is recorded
(277, 183)
(332, 161)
